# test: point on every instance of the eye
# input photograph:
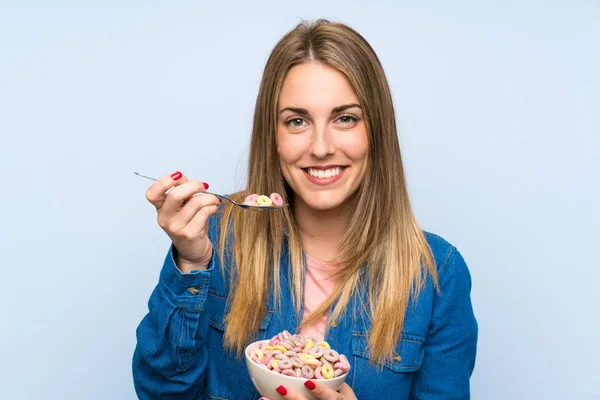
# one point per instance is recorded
(347, 119)
(295, 122)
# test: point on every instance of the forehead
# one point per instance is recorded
(315, 85)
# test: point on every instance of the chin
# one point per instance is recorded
(320, 204)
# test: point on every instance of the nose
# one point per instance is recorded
(323, 143)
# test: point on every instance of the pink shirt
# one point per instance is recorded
(318, 287)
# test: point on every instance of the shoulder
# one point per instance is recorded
(441, 249)
(448, 260)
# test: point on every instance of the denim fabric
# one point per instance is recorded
(180, 354)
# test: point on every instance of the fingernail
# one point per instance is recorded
(176, 175)
(281, 390)
(220, 201)
(205, 185)
(310, 385)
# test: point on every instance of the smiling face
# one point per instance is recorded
(321, 136)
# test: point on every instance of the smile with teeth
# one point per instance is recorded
(324, 173)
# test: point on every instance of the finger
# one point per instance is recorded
(321, 392)
(179, 195)
(156, 194)
(289, 394)
(197, 209)
(197, 224)
(346, 391)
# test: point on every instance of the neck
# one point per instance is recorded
(321, 231)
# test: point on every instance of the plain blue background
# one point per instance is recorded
(498, 111)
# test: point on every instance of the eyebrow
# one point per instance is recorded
(335, 110)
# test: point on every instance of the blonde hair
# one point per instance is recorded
(382, 234)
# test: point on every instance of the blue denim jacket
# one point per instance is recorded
(180, 354)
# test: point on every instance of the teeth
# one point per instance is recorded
(321, 174)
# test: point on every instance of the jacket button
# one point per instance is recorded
(333, 324)
(193, 290)
(397, 357)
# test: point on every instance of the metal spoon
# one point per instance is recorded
(235, 203)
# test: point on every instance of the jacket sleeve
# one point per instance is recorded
(170, 357)
(451, 343)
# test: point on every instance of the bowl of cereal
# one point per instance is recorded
(290, 360)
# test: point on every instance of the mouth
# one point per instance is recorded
(324, 175)
(324, 172)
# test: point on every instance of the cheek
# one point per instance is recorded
(356, 147)
(291, 148)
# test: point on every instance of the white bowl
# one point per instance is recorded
(266, 381)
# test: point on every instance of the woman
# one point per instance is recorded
(345, 262)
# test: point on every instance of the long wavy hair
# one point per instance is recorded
(383, 246)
